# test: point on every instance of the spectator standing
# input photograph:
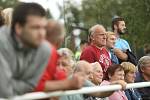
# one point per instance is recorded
(121, 45)
(96, 51)
(110, 43)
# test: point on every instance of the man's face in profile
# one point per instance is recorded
(33, 32)
(121, 27)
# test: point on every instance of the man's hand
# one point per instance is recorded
(77, 81)
(120, 54)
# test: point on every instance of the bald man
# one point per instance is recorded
(55, 33)
(48, 80)
(85, 69)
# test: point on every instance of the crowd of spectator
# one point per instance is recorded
(31, 58)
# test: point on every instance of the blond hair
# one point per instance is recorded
(128, 67)
(67, 54)
(109, 33)
(92, 30)
(7, 14)
(95, 65)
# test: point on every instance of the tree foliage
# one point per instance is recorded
(135, 12)
(8, 3)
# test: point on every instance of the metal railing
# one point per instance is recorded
(85, 90)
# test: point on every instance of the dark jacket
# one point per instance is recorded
(132, 94)
(144, 92)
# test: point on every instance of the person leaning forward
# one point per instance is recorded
(23, 51)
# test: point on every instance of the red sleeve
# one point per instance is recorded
(60, 75)
(49, 72)
(88, 55)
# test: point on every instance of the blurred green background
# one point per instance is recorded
(90, 12)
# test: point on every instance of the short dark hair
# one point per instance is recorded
(23, 10)
(111, 70)
(115, 21)
(1, 18)
(147, 48)
(83, 42)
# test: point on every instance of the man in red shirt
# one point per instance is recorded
(96, 52)
(48, 81)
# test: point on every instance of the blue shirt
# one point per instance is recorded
(122, 44)
(113, 57)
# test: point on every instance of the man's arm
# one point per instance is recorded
(88, 55)
(120, 54)
(6, 89)
(106, 94)
(75, 82)
(8, 84)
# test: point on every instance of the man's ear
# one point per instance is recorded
(142, 70)
(18, 29)
(115, 26)
(91, 76)
(109, 76)
(91, 37)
